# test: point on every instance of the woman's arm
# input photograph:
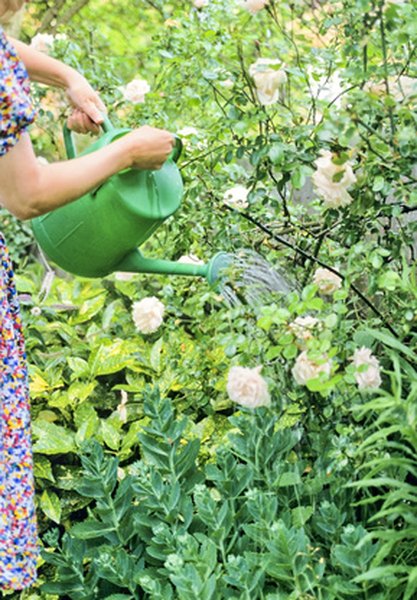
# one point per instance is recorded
(45, 69)
(28, 189)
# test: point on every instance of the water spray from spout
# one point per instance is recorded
(246, 277)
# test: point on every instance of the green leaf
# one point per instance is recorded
(111, 436)
(111, 357)
(42, 468)
(392, 342)
(89, 309)
(52, 439)
(51, 506)
(287, 479)
(411, 589)
(156, 354)
(78, 366)
(91, 529)
(301, 514)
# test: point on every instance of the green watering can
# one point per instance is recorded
(100, 232)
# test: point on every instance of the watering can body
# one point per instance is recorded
(100, 232)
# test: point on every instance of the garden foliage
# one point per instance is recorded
(299, 126)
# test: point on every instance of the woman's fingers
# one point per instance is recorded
(80, 122)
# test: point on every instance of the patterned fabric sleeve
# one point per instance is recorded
(16, 109)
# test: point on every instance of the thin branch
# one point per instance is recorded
(313, 258)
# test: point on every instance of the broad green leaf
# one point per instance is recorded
(52, 439)
(51, 506)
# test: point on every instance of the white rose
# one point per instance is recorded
(42, 42)
(247, 387)
(302, 326)
(268, 79)
(305, 369)
(186, 131)
(327, 281)
(200, 3)
(135, 91)
(334, 193)
(370, 377)
(254, 6)
(190, 259)
(148, 314)
(237, 197)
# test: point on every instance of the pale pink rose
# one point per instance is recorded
(370, 377)
(268, 78)
(247, 387)
(237, 197)
(302, 327)
(305, 369)
(327, 281)
(135, 91)
(334, 193)
(254, 6)
(44, 42)
(148, 314)
(200, 3)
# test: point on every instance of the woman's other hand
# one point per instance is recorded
(88, 107)
(149, 147)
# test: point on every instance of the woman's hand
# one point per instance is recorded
(147, 147)
(88, 107)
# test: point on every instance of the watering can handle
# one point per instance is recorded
(107, 126)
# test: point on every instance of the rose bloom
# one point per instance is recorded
(135, 91)
(247, 387)
(200, 3)
(334, 193)
(327, 281)
(369, 378)
(42, 42)
(254, 6)
(305, 369)
(268, 79)
(190, 259)
(237, 197)
(186, 131)
(148, 314)
(301, 327)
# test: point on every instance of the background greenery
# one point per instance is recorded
(188, 496)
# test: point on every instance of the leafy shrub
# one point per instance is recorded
(241, 526)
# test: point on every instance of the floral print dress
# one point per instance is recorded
(18, 536)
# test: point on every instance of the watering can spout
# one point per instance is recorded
(135, 262)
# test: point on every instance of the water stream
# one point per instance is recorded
(251, 279)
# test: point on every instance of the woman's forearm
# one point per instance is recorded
(43, 68)
(28, 189)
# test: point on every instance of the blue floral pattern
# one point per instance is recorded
(18, 535)
(16, 109)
